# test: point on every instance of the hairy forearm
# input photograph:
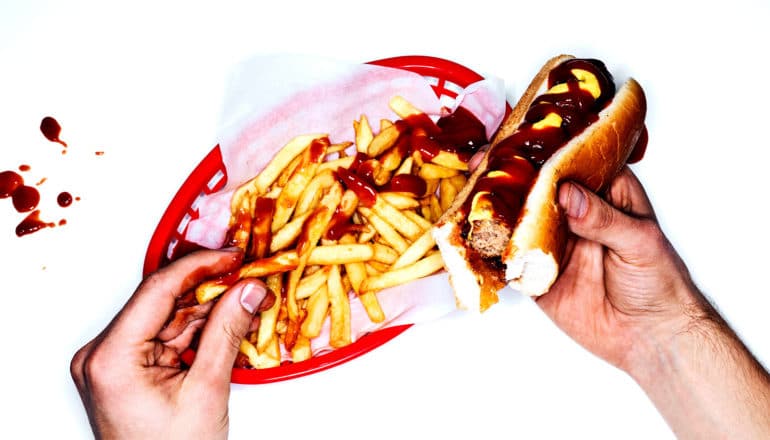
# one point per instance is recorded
(705, 382)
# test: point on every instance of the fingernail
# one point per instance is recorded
(252, 295)
(574, 201)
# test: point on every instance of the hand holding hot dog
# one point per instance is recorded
(626, 296)
(129, 376)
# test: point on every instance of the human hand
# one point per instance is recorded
(130, 378)
(623, 284)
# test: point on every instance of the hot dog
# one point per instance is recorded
(505, 226)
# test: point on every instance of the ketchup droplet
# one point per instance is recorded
(64, 199)
(31, 224)
(9, 182)
(25, 198)
(24, 167)
(51, 130)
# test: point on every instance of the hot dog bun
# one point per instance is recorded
(530, 260)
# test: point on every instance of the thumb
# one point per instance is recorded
(590, 217)
(226, 326)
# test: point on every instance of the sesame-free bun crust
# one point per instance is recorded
(532, 257)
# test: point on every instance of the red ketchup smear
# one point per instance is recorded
(24, 167)
(640, 148)
(31, 224)
(51, 130)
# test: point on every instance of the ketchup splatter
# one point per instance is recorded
(51, 130)
(9, 182)
(25, 198)
(64, 199)
(31, 224)
(24, 167)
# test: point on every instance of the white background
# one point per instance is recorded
(142, 82)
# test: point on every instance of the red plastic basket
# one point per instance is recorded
(445, 77)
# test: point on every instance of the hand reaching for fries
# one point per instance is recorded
(129, 376)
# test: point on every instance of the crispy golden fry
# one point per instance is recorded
(386, 231)
(420, 269)
(286, 173)
(338, 148)
(385, 123)
(449, 160)
(399, 201)
(367, 234)
(420, 220)
(355, 273)
(372, 306)
(339, 310)
(301, 350)
(261, 233)
(317, 309)
(385, 139)
(396, 218)
(344, 253)
(432, 185)
(384, 254)
(435, 207)
(310, 284)
(406, 166)
(311, 195)
(370, 271)
(433, 171)
(382, 267)
(288, 233)
(458, 181)
(315, 226)
(269, 317)
(403, 108)
(332, 165)
(287, 200)
(416, 250)
(282, 159)
(447, 193)
(364, 134)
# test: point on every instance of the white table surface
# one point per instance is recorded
(142, 82)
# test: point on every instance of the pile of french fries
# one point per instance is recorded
(282, 219)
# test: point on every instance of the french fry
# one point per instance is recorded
(269, 317)
(396, 218)
(370, 271)
(432, 185)
(344, 253)
(315, 226)
(339, 310)
(435, 207)
(288, 234)
(458, 181)
(383, 254)
(363, 133)
(433, 171)
(287, 200)
(420, 269)
(403, 108)
(311, 195)
(421, 221)
(382, 267)
(338, 148)
(301, 349)
(447, 193)
(286, 173)
(385, 123)
(450, 160)
(399, 200)
(367, 234)
(416, 250)
(386, 231)
(282, 159)
(317, 309)
(355, 273)
(261, 233)
(310, 284)
(332, 165)
(385, 139)
(406, 166)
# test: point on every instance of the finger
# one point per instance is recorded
(149, 308)
(590, 217)
(182, 318)
(476, 159)
(226, 326)
(628, 195)
(77, 365)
